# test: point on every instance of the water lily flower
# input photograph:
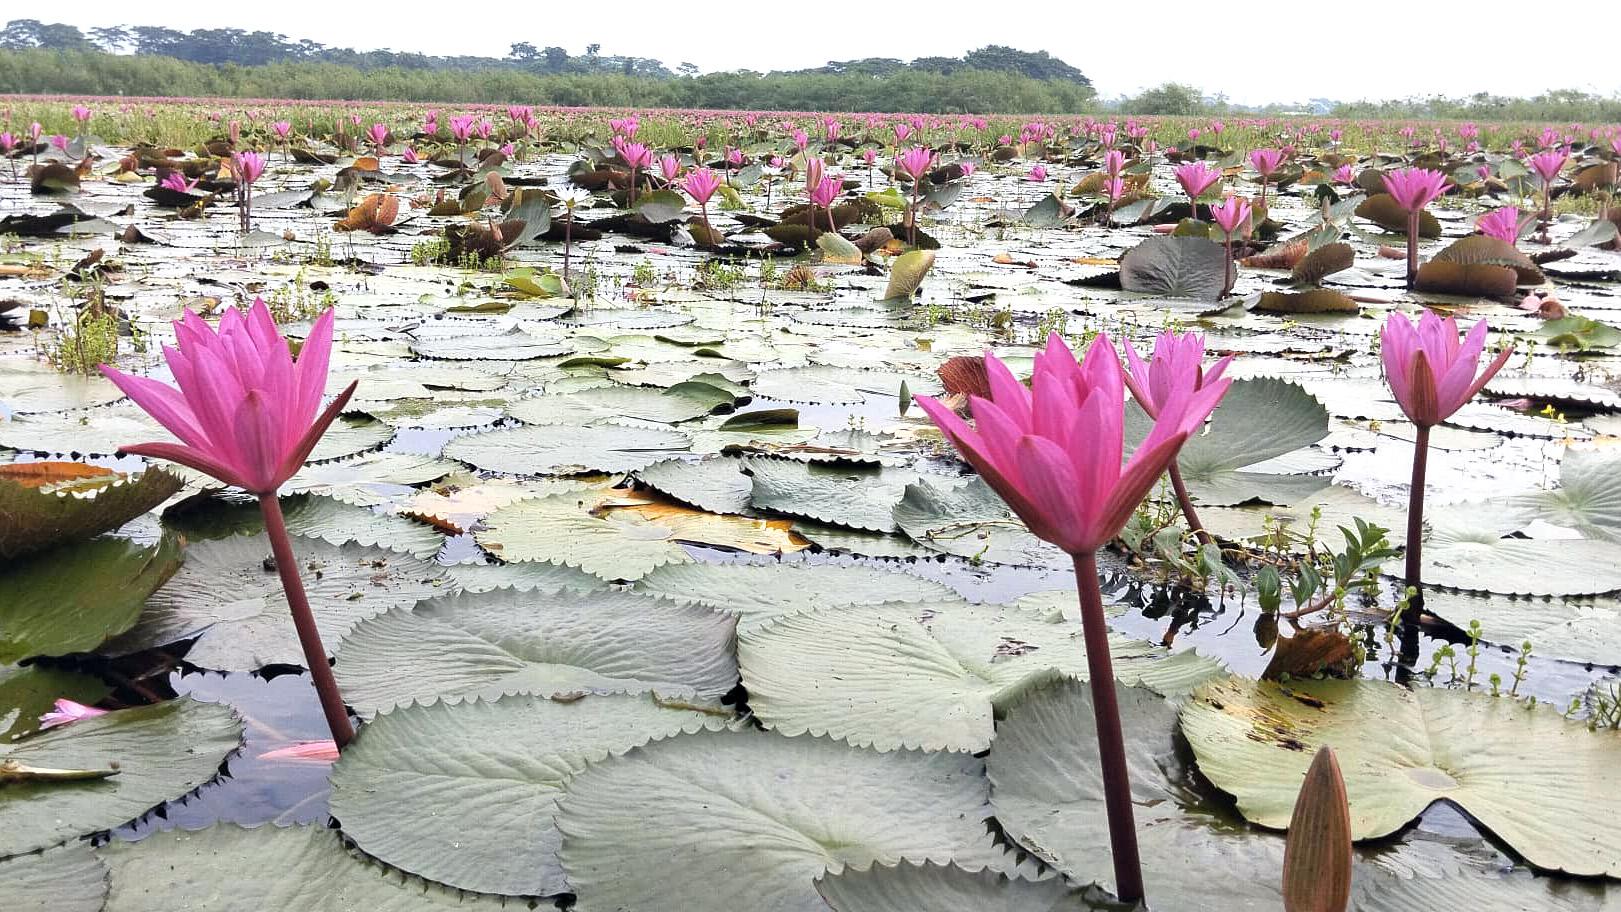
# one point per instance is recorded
(1038, 173)
(1196, 177)
(81, 113)
(1547, 166)
(1432, 375)
(968, 168)
(176, 181)
(1265, 162)
(824, 193)
(1114, 161)
(248, 415)
(409, 156)
(1053, 452)
(309, 751)
(569, 199)
(1344, 175)
(60, 141)
(246, 167)
(1413, 189)
(1177, 363)
(916, 162)
(734, 156)
(66, 711)
(669, 167)
(1230, 215)
(1503, 224)
(378, 134)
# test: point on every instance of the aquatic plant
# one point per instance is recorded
(246, 167)
(249, 415)
(1053, 453)
(1196, 177)
(1413, 189)
(1432, 375)
(1177, 363)
(1231, 214)
(1265, 162)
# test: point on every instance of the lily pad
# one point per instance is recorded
(160, 752)
(493, 772)
(35, 516)
(28, 692)
(510, 642)
(969, 520)
(1466, 555)
(683, 402)
(909, 887)
(1175, 267)
(930, 676)
(1546, 786)
(1047, 789)
(818, 804)
(75, 597)
(716, 485)
(566, 449)
(758, 593)
(856, 496)
(562, 529)
(1588, 498)
(230, 869)
(232, 603)
(68, 878)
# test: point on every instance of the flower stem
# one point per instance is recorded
(1128, 869)
(1412, 247)
(309, 637)
(1182, 498)
(1415, 513)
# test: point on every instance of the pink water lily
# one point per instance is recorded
(1503, 224)
(1413, 189)
(1196, 177)
(1177, 363)
(1432, 374)
(246, 413)
(1265, 162)
(1230, 215)
(1053, 452)
(249, 415)
(669, 167)
(308, 751)
(177, 182)
(701, 185)
(1038, 173)
(66, 711)
(915, 162)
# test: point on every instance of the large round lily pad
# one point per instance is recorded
(76, 596)
(232, 601)
(67, 878)
(931, 676)
(1047, 789)
(926, 887)
(509, 642)
(1548, 787)
(230, 869)
(756, 593)
(160, 752)
(35, 516)
(561, 529)
(465, 794)
(746, 820)
(566, 449)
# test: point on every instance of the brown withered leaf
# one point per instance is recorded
(1480, 280)
(1282, 256)
(1310, 651)
(1318, 300)
(1322, 263)
(965, 374)
(376, 214)
(1480, 249)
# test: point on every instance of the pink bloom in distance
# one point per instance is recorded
(701, 185)
(1414, 188)
(1503, 224)
(1196, 177)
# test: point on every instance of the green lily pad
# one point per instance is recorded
(161, 752)
(232, 603)
(909, 887)
(1175, 267)
(906, 274)
(969, 520)
(561, 530)
(823, 385)
(35, 519)
(28, 692)
(75, 597)
(567, 449)
(683, 402)
(715, 485)
(1461, 553)
(757, 593)
(856, 496)
(701, 809)
(371, 480)
(68, 878)
(509, 642)
(932, 676)
(1546, 786)
(1588, 498)
(492, 773)
(230, 869)
(1576, 630)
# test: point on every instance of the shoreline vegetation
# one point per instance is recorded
(142, 61)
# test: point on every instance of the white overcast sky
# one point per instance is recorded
(1252, 52)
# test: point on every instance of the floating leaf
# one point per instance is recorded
(759, 593)
(910, 887)
(1322, 263)
(1047, 789)
(161, 752)
(929, 676)
(856, 496)
(819, 805)
(229, 597)
(1540, 783)
(969, 520)
(492, 772)
(1175, 267)
(1319, 300)
(506, 641)
(566, 450)
(565, 529)
(1383, 210)
(75, 597)
(37, 513)
(1477, 249)
(29, 692)
(1461, 553)
(1479, 280)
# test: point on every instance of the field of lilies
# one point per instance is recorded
(504, 508)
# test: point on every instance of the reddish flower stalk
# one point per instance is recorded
(1230, 214)
(249, 416)
(1052, 451)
